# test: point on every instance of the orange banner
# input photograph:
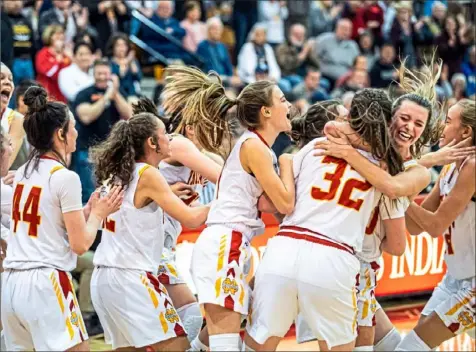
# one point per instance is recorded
(418, 270)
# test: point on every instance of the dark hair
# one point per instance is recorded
(41, 122)
(311, 125)
(80, 37)
(201, 101)
(111, 43)
(23, 86)
(369, 116)
(101, 62)
(79, 44)
(116, 156)
(191, 5)
(146, 105)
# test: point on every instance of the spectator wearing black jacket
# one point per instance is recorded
(6, 54)
(383, 71)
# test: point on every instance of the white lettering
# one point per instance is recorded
(421, 270)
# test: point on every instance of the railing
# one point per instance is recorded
(155, 55)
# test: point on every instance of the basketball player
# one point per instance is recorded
(187, 165)
(48, 231)
(134, 308)
(222, 251)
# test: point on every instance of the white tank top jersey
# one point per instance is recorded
(332, 199)
(6, 208)
(174, 174)
(132, 238)
(7, 118)
(37, 231)
(375, 230)
(460, 236)
(237, 193)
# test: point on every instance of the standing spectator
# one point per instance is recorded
(323, 17)
(383, 72)
(367, 47)
(72, 18)
(273, 13)
(451, 46)
(6, 54)
(373, 19)
(402, 34)
(336, 51)
(196, 30)
(216, 55)
(145, 7)
(295, 55)
(91, 38)
(23, 42)
(163, 18)
(51, 60)
(469, 70)
(78, 75)
(124, 65)
(180, 9)
(244, 17)
(97, 109)
(256, 60)
(298, 12)
(354, 12)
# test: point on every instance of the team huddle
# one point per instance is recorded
(342, 200)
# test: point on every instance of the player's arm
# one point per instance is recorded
(436, 222)
(154, 186)
(186, 153)
(256, 159)
(82, 233)
(17, 135)
(392, 214)
(431, 203)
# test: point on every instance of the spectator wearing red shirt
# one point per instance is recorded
(354, 11)
(51, 60)
(373, 18)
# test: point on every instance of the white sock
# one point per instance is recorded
(363, 348)
(389, 342)
(412, 342)
(245, 348)
(197, 345)
(225, 342)
(192, 319)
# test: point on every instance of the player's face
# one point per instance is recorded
(280, 111)
(72, 134)
(408, 124)
(453, 126)
(164, 143)
(6, 87)
(7, 152)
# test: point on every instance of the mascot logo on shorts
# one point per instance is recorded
(229, 286)
(465, 318)
(171, 315)
(162, 270)
(74, 319)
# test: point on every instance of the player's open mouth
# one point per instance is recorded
(5, 94)
(404, 136)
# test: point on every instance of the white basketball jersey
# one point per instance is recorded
(332, 199)
(132, 238)
(7, 118)
(460, 236)
(6, 205)
(375, 230)
(237, 193)
(37, 231)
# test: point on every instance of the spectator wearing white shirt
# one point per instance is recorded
(77, 76)
(273, 13)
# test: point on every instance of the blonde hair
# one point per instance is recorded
(49, 32)
(468, 115)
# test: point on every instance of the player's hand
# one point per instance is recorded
(102, 207)
(265, 205)
(338, 147)
(92, 200)
(8, 179)
(453, 152)
(181, 189)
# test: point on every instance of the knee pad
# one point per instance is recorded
(192, 319)
(389, 342)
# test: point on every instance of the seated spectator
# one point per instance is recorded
(273, 13)
(256, 60)
(308, 92)
(124, 65)
(383, 72)
(336, 51)
(78, 75)
(51, 60)
(90, 37)
(458, 85)
(196, 30)
(323, 17)
(23, 41)
(368, 48)
(97, 109)
(361, 64)
(469, 70)
(215, 53)
(356, 82)
(163, 19)
(295, 55)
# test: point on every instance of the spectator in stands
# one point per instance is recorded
(458, 86)
(145, 7)
(323, 17)
(383, 72)
(298, 12)
(452, 45)
(78, 75)
(108, 17)
(295, 55)
(356, 82)
(163, 19)
(216, 55)
(336, 51)
(373, 19)
(256, 60)
(469, 70)
(368, 48)
(124, 65)
(23, 42)
(196, 30)
(51, 60)
(91, 38)
(244, 17)
(360, 64)
(6, 54)
(308, 92)
(73, 18)
(354, 11)
(273, 13)
(97, 109)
